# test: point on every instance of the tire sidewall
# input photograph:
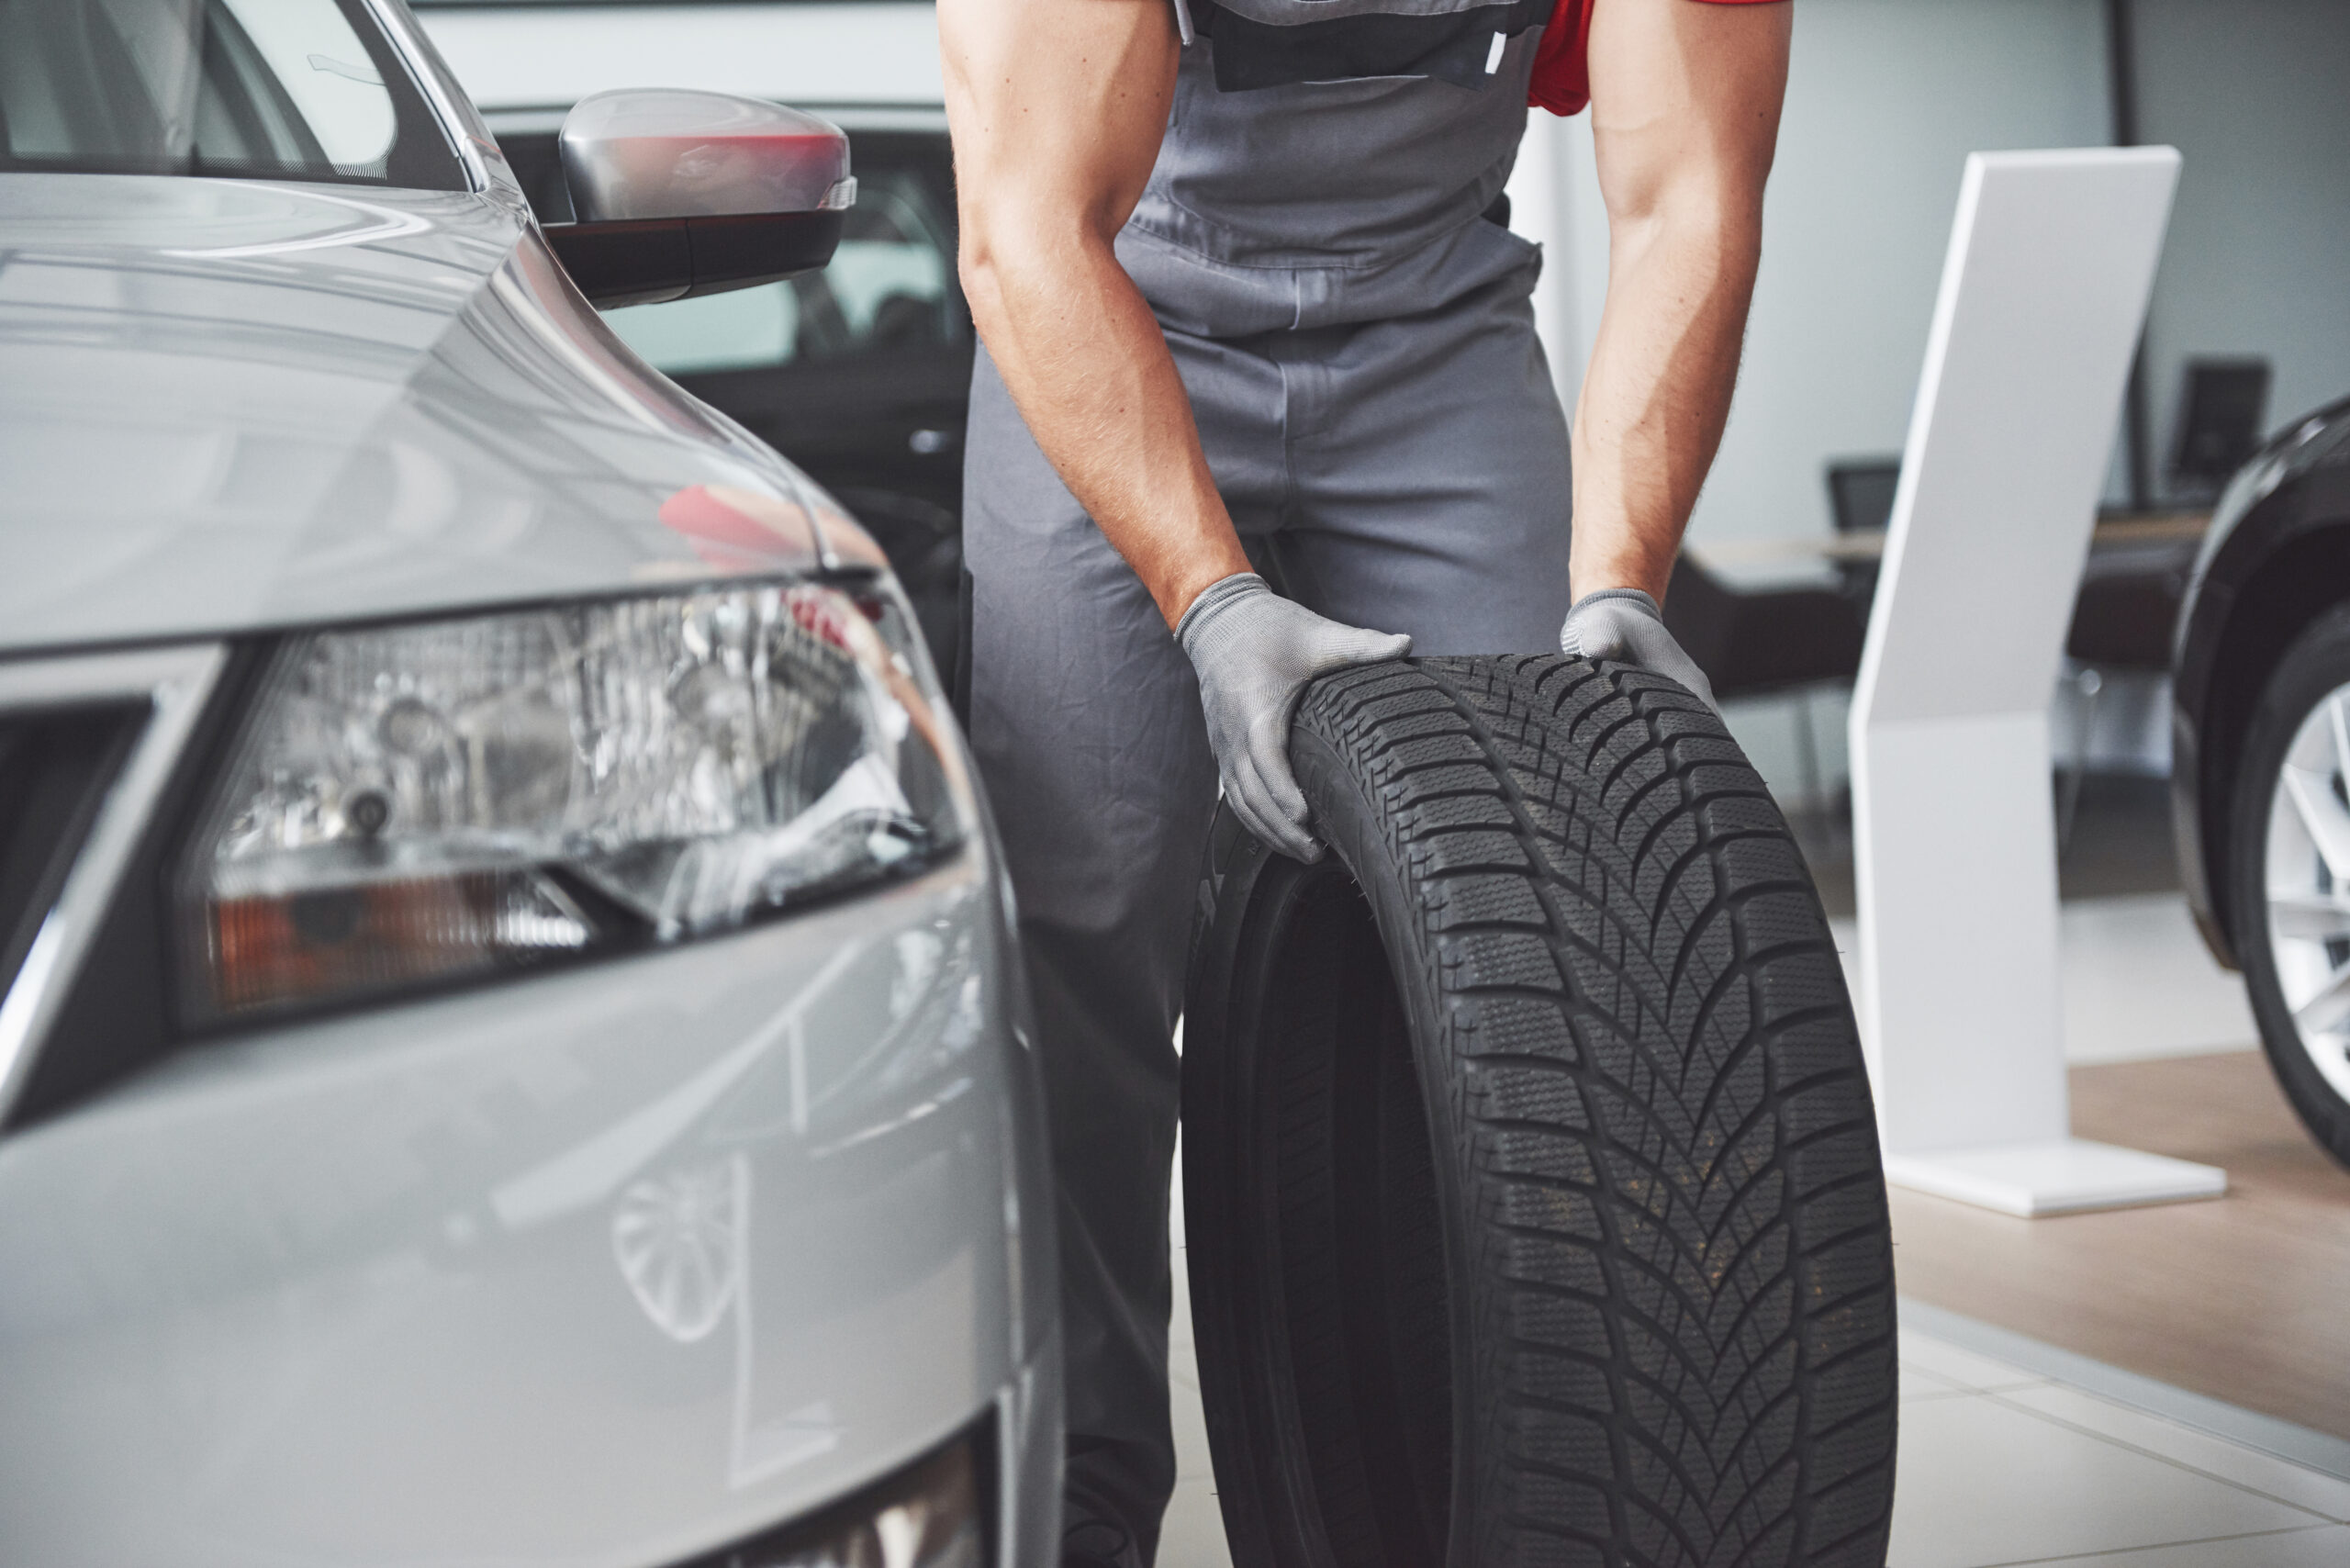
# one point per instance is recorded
(1348, 823)
(1259, 1498)
(2316, 664)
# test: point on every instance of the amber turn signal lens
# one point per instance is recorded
(365, 938)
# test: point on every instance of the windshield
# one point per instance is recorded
(253, 89)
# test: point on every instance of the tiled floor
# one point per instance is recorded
(2239, 1300)
(1998, 1466)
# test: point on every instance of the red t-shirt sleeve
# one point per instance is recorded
(1561, 81)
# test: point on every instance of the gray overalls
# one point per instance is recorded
(1359, 347)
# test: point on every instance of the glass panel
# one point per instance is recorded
(268, 89)
(311, 49)
(718, 331)
(889, 289)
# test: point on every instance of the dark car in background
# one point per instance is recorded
(2261, 772)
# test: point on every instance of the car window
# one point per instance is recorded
(890, 288)
(256, 89)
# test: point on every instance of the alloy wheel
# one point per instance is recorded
(2307, 880)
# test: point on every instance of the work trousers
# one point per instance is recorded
(1407, 474)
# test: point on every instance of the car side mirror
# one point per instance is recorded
(680, 193)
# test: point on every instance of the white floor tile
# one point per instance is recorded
(1192, 1535)
(1964, 1369)
(2326, 1495)
(2328, 1546)
(1983, 1483)
(1179, 1326)
(1191, 1459)
(1917, 1383)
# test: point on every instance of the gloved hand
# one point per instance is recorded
(1625, 624)
(1255, 651)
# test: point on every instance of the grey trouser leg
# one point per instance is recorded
(1408, 475)
(1086, 722)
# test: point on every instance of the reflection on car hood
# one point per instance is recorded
(232, 405)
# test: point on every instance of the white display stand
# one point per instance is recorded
(2052, 258)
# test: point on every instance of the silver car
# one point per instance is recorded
(509, 1044)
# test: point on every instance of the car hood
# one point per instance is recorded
(229, 406)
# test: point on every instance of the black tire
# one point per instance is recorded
(1532, 1189)
(2315, 665)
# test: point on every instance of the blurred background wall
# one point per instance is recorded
(2256, 95)
(1886, 97)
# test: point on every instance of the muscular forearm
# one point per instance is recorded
(1658, 390)
(1684, 102)
(1057, 111)
(1085, 360)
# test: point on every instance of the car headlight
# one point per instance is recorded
(417, 804)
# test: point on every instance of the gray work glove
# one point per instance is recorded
(1255, 651)
(1625, 624)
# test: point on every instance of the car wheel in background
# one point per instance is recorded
(1532, 1189)
(2288, 852)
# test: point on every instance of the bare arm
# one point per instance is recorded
(1056, 109)
(1684, 102)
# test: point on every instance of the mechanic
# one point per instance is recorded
(1258, 372)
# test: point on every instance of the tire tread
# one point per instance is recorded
(1669, 1142)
